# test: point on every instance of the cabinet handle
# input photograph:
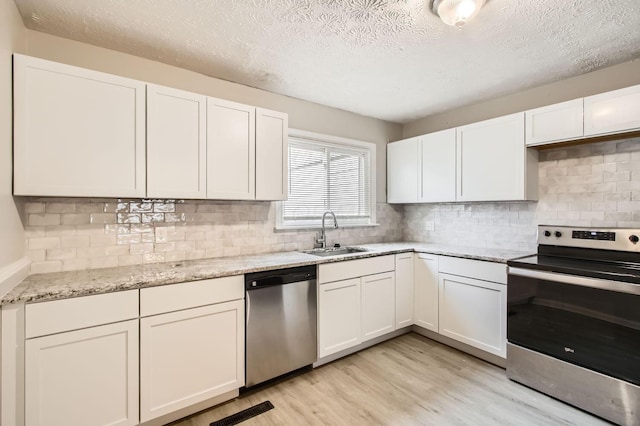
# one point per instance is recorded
(619, 286)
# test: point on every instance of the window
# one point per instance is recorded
(327, 173)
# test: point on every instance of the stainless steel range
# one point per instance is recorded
(573, 325)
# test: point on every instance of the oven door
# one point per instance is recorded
(588, 322)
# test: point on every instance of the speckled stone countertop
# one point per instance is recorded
(62, 285)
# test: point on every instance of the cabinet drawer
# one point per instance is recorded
(168, 298)
(479, 269)
(355, 268)
(81, 312)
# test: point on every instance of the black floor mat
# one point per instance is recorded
(243, 415)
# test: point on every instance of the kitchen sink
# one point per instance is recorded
(334, 251)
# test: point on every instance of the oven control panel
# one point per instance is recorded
(593, 235)
(624, 239)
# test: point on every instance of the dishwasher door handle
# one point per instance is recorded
(248, 307)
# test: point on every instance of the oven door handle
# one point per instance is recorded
(617, 286)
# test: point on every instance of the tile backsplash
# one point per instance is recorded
(72, 234)
(595, 184)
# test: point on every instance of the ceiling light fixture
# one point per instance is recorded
(456, 12)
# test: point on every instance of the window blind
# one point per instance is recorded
(325, 176)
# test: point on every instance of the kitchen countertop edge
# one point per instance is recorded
(64, 285)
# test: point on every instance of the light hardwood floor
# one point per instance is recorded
(410, 380)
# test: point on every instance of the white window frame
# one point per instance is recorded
(341, 142)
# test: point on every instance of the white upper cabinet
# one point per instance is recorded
(271, 155)
(554, 123)
(176, 143)
(77, 133)
(437, 166)
(612, 112)
(403, 171)
(231, 150)
(492, 161)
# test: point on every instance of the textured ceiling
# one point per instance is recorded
(388, 59)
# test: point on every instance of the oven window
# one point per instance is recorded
(596, 329)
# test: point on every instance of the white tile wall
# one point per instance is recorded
(71, 234)
(590, 185)
(595, 184)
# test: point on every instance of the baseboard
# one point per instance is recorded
(12, 274)
(478, 353)
(192, 409)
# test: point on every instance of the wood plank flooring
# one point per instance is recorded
(410, 380)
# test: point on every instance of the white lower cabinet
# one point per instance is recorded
(190, 356)
(338, 316)
(378, 305)
(129, 357)
(426, 291)
(356, 302)
(404, 289)
(473, 312)
(83, 377)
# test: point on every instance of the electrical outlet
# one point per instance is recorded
(161, 234)
(430, 225)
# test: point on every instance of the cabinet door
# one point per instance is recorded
(189, 356)
(474, 312)
(272, 156)
(378, 305)
(612, 112)
(491, 160)
(84, 377)
(404, 290)
(77, 132)
(231, 153)
(402, 171)
(553, 123)
(176, 143)
(338, 316)
(438, 167)
(426, 291)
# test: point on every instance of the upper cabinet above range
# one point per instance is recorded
(612, 112)
(77, 132)
(82, 133)
(604, 114)
(558, 122)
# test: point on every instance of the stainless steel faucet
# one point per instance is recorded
(321, 239)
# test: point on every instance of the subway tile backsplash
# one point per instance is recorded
(596, 184)
(72, 234)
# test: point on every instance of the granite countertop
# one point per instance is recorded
(62, 285)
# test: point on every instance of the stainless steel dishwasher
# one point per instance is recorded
(281, 333)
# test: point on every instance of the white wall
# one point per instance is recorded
(611, 78)
(12, 39)
(302, 114)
